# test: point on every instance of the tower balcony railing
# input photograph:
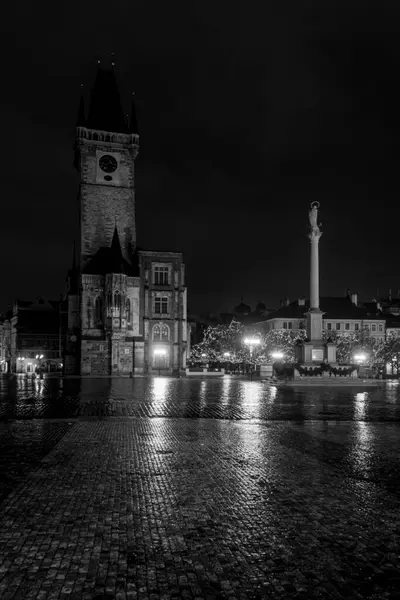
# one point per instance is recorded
(107, 137)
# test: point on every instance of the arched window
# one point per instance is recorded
(128, 310)
(109, 299)
(117, 301)
(98, 309)
(156, 333)
(165, 333)
(95, 136)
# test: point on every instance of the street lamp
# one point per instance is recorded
(226, 356)
(250, 342)
(360, 358)
(277, 355)
(159, 352)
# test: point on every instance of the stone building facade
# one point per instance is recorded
(36, 336)
(125, 308)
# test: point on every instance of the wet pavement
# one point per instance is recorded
(176, 488)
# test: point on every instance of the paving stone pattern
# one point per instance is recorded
(160, 488)
(225, 398)
(203, 508)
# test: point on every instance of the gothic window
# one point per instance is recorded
(165, 333)
(117, 300)
(128, 310)
(156, 333)
(99, 310)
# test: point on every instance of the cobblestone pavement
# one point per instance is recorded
(305, 504)
(224, 398)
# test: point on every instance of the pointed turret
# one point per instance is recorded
(117, 262)
(81, 118)
(74, 269)
(105, 110)
(133, 125)
(73, 274)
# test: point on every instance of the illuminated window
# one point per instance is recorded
(161, 275)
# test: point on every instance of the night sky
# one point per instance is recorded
(247, 113)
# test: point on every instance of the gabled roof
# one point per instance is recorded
(111, 260)
(334, 308)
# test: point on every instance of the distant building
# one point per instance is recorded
(341, 316)
(5, 343)
(35, 336)
(125, 307)
(245, 315)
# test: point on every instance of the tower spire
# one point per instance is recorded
(81, 119)
(74, 257)
(133, 126)
(105, 109)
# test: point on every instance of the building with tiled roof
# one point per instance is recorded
(35, 336)
(341, 315)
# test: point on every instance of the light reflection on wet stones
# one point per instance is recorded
(297, 503)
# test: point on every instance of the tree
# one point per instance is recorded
(285, 341)
(218, 340)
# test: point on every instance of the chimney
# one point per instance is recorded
(302, 301)
(287, 301)
(354, 298)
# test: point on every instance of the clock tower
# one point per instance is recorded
(105, 150)
(126, 308)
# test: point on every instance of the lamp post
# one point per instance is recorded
(360, 358)
(276, 356)
(226, 356)
(251, 342)
(159, 352)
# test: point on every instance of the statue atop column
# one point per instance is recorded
(313, 216)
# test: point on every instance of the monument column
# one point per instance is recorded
(314, 268)
(314, 349)
(314, 315)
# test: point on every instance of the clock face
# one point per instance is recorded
(108, 164)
